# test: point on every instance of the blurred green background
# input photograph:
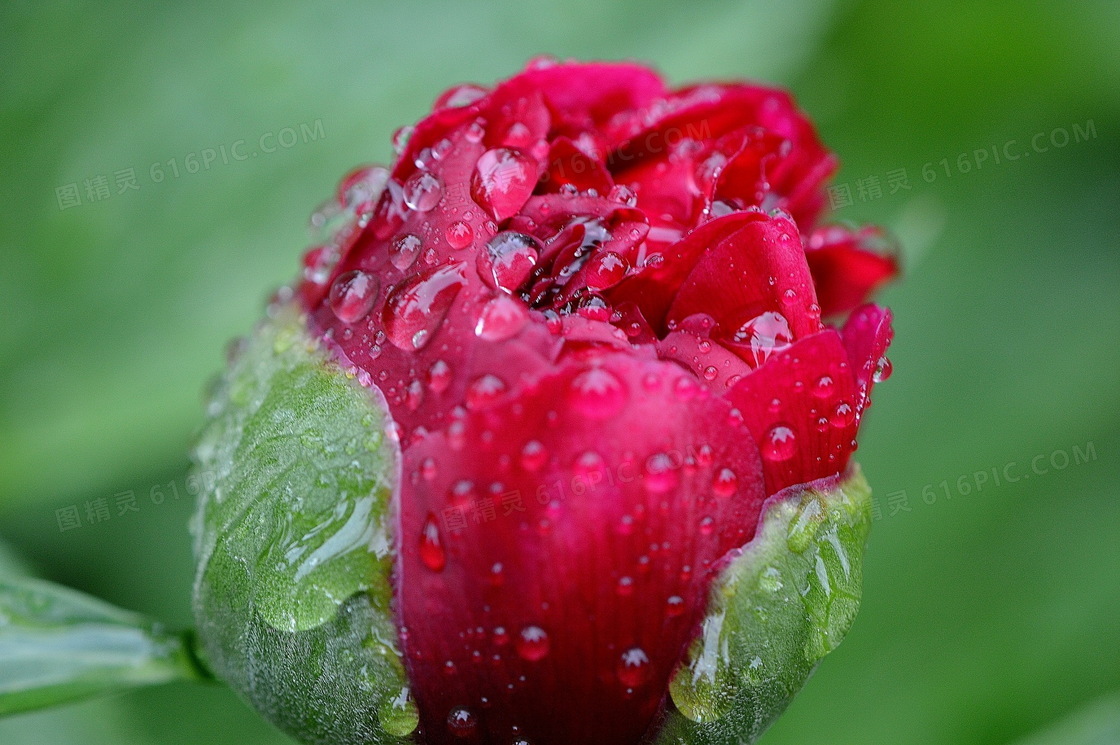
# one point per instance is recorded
(989, 612)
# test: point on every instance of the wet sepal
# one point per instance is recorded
(784, 603)
(292, 590)
(58, 645)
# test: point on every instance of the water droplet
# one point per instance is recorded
(674, 606)
(459, 234)
(661, 473)
(398, 714)
(417, 307)
(634, 668)
(606, 269)
(533, 456)
(763, 335)
(462, 722)
(532, 643)
(401, 138)
(824, 387)
(624, 194)
(508, 260)
(725, 483)
(352, 295)
(501, 319)
(707, 525)
(422, 191)
(484, 390)
(502, 181)
(403, 251)
(431, 547)
(625, 586)
(883, 370)
(598, 393)
(710, 373)
(439, 376)
(843, 415)
(779, 444)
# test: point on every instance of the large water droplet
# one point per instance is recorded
(508, 260)
(598, 393)
(762, 336)
(843, 415)
(532, 643)
(502, 181)
(417, 307)
(501, 319)
(824, 386)
(353, 294)
(606, 270)
(422, 191)
(431, 546)
(779, 444)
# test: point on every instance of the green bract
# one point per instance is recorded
(781, 606)
(292, 591)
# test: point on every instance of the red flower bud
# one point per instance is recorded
(598, 310)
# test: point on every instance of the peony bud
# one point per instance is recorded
(551, 442)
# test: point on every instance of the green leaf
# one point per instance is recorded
(292, 592)
(58, 645)
(782, 605)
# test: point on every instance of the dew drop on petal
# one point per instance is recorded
(605, 270)
(417, 307)
(403, 251)
(725, 483)
(824, 387)
(634, 668)
(661, 473)
(422, 191)
(459, 234)
(501, 319)
(762, 336)
(462, 722)
(431, 546)
(484, 390)
(779, 444)
(508, 260)
(533, 455)
(883, 370)
(532, 643)
(674, 606)
(502, 181)
(843, 415)
(598, 393)
(352, 295)
(439, 376)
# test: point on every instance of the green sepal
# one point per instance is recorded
(292, 594)
(58, 645)
(784, 603)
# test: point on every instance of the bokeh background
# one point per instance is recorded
(992, 610)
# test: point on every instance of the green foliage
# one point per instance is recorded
(57, 645)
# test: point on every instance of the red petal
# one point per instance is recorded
(846, 272)
(786, 397)
(757, 269)
(567, 164)
(596, 537)
(867, 334)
